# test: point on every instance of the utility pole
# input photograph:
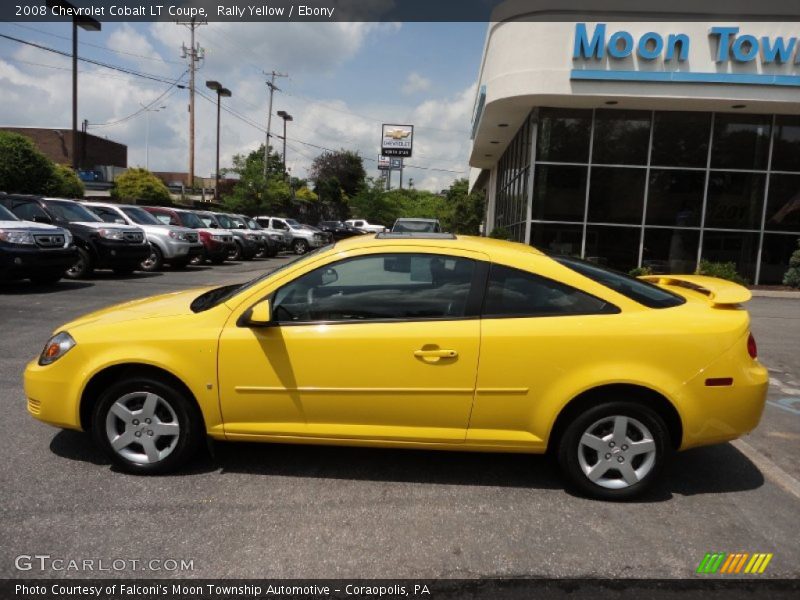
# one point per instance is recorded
(194, 54)
(272, 88)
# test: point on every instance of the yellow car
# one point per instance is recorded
(417, 341)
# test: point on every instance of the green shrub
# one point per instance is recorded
(792, 277)
(640, 271)
(140, 184)
(725, 270)
(65, 183)
(500, 233)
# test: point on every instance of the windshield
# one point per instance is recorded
(293, 224)
(252, 224)
(208, 221)
(7, 215)
(640, 291)
(191, 220)
(214, 297)
(414, 227)
(71, 212)
(237, 223)
(140, 216)
(228, 222)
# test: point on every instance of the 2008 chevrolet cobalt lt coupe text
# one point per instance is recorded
(417, 341)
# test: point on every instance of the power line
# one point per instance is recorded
(83, 74)
(104, 48)
(171, 90)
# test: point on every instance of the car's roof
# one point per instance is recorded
(421, 219)
(485, 245)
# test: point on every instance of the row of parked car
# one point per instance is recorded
(44, 239)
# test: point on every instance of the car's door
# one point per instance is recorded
(377, 346)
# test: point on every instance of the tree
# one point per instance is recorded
(25, 170)
(65, 183)
(792, 277)
(140, 184)
(467, 208)
(253, 193)
(344, 166)
(375, 204)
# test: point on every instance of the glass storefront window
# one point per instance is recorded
(616, 195)
(783, 203)
(786, 149)
(559, 193)
(675, 197)
(735, 200)
(615, 247)
(740, 141)
(732, 246)
(621, 137)
(563, 135)
(775, 255)
(556, 238)
(670, 250)
(680, 139)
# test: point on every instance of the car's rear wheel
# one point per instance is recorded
(146, 426)
(614, 450)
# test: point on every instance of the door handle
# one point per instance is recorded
(435, 355)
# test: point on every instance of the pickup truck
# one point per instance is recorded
(301, 238)
(365, 226)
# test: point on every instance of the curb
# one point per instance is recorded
(775, 294)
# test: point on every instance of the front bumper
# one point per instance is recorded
(120, 254)
(21, 261)
(173, 248)
(53, 391)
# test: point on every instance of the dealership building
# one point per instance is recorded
(631, 140)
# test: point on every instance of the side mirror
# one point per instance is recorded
(259, 315)
(329, 276)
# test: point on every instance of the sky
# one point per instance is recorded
(345, 79)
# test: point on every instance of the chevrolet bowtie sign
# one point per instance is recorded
(397, 140)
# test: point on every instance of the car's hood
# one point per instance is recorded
(165, 229)
(104, 225)
(30, 226)
(166, 305)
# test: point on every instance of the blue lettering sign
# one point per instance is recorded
(584, 48)
(622, 45)
(779, 52)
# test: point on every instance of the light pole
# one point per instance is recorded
(286, 117)
(221, 91)
(147, 111)
(87, 24)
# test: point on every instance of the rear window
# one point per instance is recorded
(640, 291)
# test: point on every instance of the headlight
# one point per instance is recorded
(218, 238)
(67, 239)
(56, 347)
(111, 234)
(17, 237)
(251, 236)
(177, 236)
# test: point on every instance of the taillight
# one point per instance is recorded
(752, 349)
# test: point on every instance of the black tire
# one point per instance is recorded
(83, 267)
(47, 278)
(184, 412)
(154, 262)
(237, 253)
(571, 451)
(198, 259)
(300, 247)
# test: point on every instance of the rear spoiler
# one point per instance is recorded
(719, 291)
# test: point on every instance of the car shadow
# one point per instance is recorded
(135, 275)
(26, 287)
(712, 470)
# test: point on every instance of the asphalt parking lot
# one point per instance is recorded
(292, 511)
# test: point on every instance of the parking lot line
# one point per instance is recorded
(768, 468)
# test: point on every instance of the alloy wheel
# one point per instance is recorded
(616, 452)
(142, 427)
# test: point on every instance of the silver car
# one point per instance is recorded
(169, 243)
(301, 238)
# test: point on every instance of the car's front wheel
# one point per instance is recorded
(300, 247)
(614, 450)
(146, 426)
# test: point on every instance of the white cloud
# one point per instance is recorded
(415, 83)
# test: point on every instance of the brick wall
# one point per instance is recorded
(93, 151)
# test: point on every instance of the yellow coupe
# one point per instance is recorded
(418, 341)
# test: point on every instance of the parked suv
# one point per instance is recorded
(100, 245)
(301, 238)
(34, 251)
(248, 244)
(168, 243)
(217, 244)
(271, 243)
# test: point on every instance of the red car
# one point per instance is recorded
(218, 244)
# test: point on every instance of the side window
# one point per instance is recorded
(109, 216)
(278, 224)
(514, 293)
(385, 286)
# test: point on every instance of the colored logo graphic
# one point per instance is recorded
(725, 563)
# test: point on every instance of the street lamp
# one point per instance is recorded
(147, 111)
(286, 117)
(221, 91)
(87, 24)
